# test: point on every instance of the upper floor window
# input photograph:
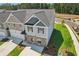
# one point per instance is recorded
(14, 25)
(30, 29)
(41, 30)
(0, 26)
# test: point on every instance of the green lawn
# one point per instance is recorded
(1, 42)
(60, 41)
(16, 51)
(67, 41)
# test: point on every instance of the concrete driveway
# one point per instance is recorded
(29, 52)
(6, 48)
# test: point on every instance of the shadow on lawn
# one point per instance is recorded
(70, 54)
(55, 43)
(4, 40)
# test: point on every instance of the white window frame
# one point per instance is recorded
(29, 30)
(42, 32)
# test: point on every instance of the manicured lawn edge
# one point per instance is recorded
(67, 43)
(60, 42)
(16, 51)
(3, 41)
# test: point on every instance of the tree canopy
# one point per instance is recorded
(69, 8)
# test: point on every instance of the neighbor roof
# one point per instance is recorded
(20, 15)
(45, 15)
(12, 18)
(4, 16)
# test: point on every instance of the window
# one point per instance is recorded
(41, 30)
(31, 39)
(30, 29)
(0, 26)
(9, 25)
(14, 25)
(39, 42)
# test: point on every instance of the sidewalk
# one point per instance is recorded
(29, 52)
(75, 42)
(6, 48)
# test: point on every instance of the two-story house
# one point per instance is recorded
(38, 25)
(15, 23)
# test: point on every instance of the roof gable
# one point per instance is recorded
(41, 15)
(12, 19)
(40, 24)
(31, 21)
(20, 15)
(47, 16)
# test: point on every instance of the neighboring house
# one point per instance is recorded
(3, 18)
(37, 24)
(15, 23)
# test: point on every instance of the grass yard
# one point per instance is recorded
(3, 41)
(16, 51)
(60, 42)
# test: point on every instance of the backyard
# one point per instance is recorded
(60, 42)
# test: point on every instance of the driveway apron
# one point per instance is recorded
(6, 48)
(29, 52)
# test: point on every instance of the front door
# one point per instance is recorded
(8, 32)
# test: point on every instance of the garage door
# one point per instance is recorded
(16, 34)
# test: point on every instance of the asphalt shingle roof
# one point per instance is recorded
(12, 18)
(45, 15)
(4, 16)
(20, 15)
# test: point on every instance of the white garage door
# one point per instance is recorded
(16, 34)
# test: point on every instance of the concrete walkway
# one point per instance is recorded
(29, 52)
(75, 42)
(6, 48)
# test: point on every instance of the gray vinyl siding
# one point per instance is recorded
(1, 26)
(15, 26)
